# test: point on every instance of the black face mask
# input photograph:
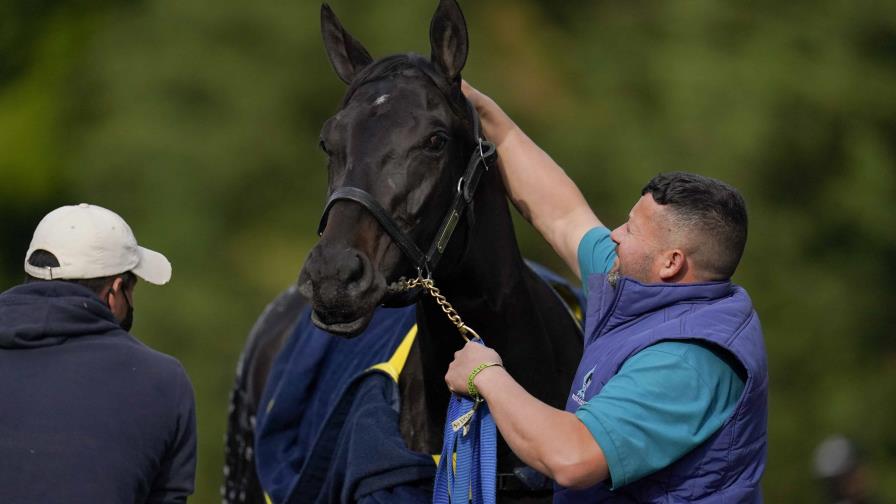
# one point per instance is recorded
(128, 319)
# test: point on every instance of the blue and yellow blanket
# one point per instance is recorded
(327, 430)
(327, 426)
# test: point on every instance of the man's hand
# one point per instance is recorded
(552, 441)
(496, 125)
(465, 361)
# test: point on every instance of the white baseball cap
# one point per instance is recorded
(92, 242)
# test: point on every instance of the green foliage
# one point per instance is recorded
(199, 124)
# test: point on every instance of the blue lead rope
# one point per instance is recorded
(473, 478)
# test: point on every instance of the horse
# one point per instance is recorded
(399, 149)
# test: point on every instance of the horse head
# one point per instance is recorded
(398, 150)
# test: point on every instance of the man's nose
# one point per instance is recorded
(614, 235)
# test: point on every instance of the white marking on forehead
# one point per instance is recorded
(381, 100)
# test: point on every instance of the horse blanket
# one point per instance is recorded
(327, 426)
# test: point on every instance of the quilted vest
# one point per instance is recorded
(624, 320)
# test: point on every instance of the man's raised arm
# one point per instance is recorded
(538, 186)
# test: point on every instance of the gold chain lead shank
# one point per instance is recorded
(429, 286)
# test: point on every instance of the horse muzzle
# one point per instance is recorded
(343, 287)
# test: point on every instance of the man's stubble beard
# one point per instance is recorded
(638, 270)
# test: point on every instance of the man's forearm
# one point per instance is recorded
(552, 441)
(545, 195)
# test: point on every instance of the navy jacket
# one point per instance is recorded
(88, 414)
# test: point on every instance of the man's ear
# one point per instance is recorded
(674, 266)
(117, 289)
(117, 285)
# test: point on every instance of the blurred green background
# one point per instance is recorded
(198, 122)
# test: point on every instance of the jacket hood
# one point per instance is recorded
(48, 313)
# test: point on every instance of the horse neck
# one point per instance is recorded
(489, 287)
(505, 303)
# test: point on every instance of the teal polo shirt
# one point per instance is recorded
(665, 400)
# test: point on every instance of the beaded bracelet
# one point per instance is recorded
(471, 388)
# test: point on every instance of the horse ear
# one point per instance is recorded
(448, 38)
(346, 54)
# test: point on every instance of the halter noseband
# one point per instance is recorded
(483, 155)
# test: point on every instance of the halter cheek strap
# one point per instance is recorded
(483, 156)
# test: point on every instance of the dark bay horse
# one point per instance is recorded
(403, 137)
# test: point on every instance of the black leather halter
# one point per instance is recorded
(483, 156)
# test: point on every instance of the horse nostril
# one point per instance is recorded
(350, 268)
(331, 274)
(355, 270)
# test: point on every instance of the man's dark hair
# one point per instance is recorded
(45, 259)
(709, 209)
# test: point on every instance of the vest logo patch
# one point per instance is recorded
(579, 396)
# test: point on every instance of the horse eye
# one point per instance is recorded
(436, 142)
(323, 146)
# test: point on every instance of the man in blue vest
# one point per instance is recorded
(669, 403)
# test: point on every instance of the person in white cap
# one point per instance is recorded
(88, 413)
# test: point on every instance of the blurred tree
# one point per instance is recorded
(41, 45)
